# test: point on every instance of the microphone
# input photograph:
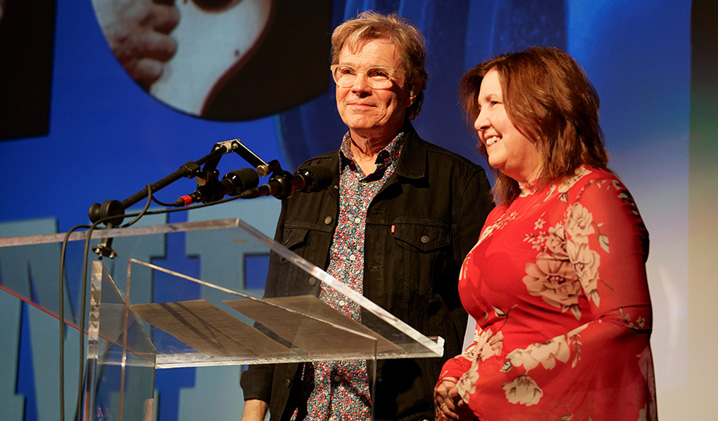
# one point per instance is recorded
(283, 184)
(234, 183)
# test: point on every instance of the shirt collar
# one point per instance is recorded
(387, 156)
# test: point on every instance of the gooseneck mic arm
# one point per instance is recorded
(191, 169)
(112, 212)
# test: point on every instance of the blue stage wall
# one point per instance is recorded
(105, 138)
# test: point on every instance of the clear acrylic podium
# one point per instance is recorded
(190, 295)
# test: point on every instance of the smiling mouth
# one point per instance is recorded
(491, 140)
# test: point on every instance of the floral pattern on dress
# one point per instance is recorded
(486, 344)
(555, 278)
(546, 354)
(523, 390)
(566, 265)
(500, 223)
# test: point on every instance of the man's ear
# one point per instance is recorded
(412, 95)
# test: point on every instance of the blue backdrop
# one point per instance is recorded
(107, 138)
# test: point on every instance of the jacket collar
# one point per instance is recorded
(412, 161)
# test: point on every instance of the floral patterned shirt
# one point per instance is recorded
(339, 390)
(557, 284)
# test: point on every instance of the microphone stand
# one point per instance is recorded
(112, 212)
(115, 210)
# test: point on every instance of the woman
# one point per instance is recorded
(557, 281)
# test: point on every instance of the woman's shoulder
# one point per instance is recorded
(571, 188)
(598, 187)
(585, 177)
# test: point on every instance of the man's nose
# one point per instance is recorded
(361, 83)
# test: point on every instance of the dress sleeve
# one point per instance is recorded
(601, 366)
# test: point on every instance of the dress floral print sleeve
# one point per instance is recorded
(557, 285)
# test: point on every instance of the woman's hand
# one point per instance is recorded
(448, 405)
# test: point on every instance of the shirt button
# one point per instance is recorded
(328, 220)
(425, 239)
(312, 281)
(342, 303)
(337, 379)
(357, 220)
(352, 258)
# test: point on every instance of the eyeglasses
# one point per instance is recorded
(377, 77)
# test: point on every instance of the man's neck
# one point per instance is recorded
(366, 145)
(365, 149)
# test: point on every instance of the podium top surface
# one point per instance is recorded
(191, 294)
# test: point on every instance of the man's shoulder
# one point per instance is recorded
(443, 156)
(328, 158)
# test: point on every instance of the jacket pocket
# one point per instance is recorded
(424, 238)
(293, 238)
(310, 243)
(420, 246)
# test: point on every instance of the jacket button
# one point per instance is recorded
(328, 220)
(287, 382)
(425, 239)
(312, 281)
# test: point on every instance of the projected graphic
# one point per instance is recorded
(213, 43)
(207, 58)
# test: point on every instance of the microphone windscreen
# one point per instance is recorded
(322, 177)
(243, 179)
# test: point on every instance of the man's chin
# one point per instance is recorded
(359, 123)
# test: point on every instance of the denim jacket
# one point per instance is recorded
(419, 228)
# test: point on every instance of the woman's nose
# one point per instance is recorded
(481, 122)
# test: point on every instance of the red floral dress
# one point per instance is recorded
(557, 285)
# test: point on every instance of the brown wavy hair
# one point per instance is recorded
(402, 33)
(550, 100)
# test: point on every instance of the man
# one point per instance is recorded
(395, 225)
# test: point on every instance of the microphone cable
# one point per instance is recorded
(83, 300)
(83, 310)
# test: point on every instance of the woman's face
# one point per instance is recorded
(509, 151)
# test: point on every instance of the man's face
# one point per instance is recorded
(368, 112)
